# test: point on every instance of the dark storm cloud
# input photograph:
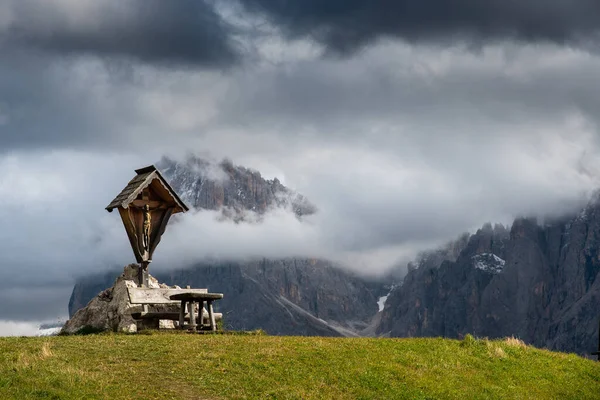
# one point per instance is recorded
(155, 31)
(454, 89)
(345, 25)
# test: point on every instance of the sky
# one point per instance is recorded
(406, 123)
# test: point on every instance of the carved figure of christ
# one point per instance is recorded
(147, 228)
(147, 224)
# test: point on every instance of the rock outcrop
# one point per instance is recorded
(110, 310)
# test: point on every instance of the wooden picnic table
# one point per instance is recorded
(190, 298)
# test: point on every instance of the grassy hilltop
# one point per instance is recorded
(181, 366)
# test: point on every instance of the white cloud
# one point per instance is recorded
(14, 328)
(22, 328)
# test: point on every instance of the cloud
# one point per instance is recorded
(277, 234)
(54, 225)
(388, 92)
(16, 328)
(420, 88)
(347, 25)
(181, 32)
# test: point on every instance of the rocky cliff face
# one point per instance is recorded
(291, 296)
(537, 282)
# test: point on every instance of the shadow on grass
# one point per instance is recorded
(90, 330)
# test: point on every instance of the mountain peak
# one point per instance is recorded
(221, 185)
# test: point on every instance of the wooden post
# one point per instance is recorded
(200, 315)
(192, 315)
(211, 316)
(182, 315)
(190, 305)
(143, 274)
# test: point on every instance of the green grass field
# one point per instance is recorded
(184, 366)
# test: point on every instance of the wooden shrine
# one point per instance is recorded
(145, 206)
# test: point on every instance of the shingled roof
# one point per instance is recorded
(144, 178)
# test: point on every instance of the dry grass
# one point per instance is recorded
(515, 342)
(499, 352)
(26, 359)
(45, 352)
(494, 348)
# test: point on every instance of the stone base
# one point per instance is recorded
(111, 310)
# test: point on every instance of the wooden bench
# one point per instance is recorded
(160, 296)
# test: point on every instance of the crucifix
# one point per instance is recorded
(145, 206)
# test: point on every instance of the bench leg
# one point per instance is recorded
(192, 315)
(211, 316)
(182, 315)
(201, 315)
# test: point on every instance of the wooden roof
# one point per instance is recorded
(146, 177)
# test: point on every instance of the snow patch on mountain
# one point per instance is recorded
(383, 299)
(381, 302)
(488, 262)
